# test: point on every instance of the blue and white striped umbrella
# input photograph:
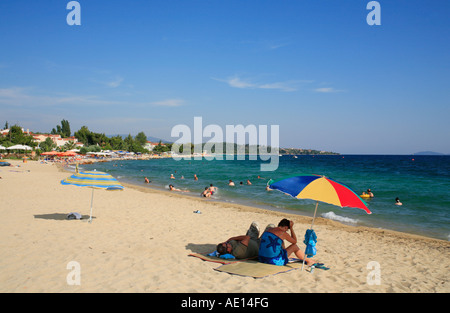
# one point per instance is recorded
(94, 180)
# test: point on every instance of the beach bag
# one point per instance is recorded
(74, 216)
(310, 241)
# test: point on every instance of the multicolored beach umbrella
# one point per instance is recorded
(93, 179)
(319, 188)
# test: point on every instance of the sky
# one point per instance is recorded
(315, 68)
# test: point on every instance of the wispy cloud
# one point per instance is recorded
(327, 90)
(115, 82)
(26, 96)
(238, 83)
(283, 86)
(169, 103)
(286, 86)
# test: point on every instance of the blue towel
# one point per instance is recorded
(310, 242)
(223, 256)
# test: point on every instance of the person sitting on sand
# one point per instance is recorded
(242, 247)
(271, 247)
(230, 183)
(397, 201)
(206, 193)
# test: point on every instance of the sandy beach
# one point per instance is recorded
(140, 240)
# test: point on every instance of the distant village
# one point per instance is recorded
(15, 141)
(61, 142)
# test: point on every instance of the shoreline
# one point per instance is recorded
(249, 203)
(287, 214)
(280, 213)
(140, 240)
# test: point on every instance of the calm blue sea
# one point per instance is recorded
(421, 182)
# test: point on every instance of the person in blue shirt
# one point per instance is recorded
(272, 249)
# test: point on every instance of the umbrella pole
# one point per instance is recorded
(312, 224)
(92, 200)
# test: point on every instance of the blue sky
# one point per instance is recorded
(315, 68)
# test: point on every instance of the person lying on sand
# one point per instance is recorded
(243, 247)
(271, 248)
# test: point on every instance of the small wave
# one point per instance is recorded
(343, 219)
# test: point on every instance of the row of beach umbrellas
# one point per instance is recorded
(16, 147)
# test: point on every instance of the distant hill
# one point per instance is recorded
(428, 153)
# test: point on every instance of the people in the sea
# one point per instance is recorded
(171, 176)
(146, 180)
(230, 183)
(244, 246)
(206, 193)
(271, 247)
(212, 189)
(397, 201)
(241, 184)
(369, 192)
(248, 182)
(172, 188)
(195, 177)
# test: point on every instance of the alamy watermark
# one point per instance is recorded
(74, 276)
(74, 16)
(374, 276)
(233, 138)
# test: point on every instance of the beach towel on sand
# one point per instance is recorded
(257, 269)
(211, 257)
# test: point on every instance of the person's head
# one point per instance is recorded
(170, 186)
(284, 223)
(206, 188)
(211, 185)
(223, 248)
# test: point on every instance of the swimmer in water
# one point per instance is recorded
(172, 188)
(212, 189)
(206, 193)
(397, 201)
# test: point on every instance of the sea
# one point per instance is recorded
(422, 183)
